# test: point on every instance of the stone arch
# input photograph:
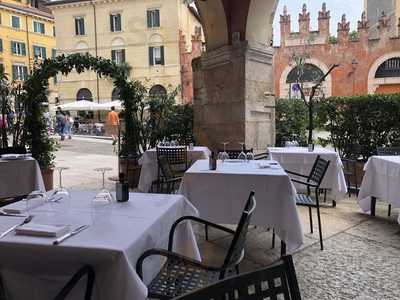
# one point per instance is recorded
(81, 46)
(214, 23)
(157, 91)
(283, 88)
(84, 94)
(156, 39)
(115, 94)
(259, 23)
(373, 82)
(117, 43)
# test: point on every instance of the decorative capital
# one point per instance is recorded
(344, 25)
(304, 16)
(363, 23)
(383, 21)
(324, 14)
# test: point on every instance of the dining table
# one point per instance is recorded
(148, 162)
(220, 195)
(301, 160)
(381, 181)
(33, 268)
(19, 177)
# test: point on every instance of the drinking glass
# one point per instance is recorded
(101, 203)
(60, 192)
(249, 156)
(223, 155)
(242, 155)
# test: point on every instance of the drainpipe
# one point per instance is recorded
(95, 48)
(28, 48)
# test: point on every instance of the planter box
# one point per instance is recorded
(131, 169)
(47, 175)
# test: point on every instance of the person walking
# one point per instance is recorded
(113, 124)
(68, 125)
(10, 120)
(60, 123)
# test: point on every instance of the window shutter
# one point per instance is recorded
(23, 49)
(113, 58)
(123, 55)
(13, 47)
(151, 59)
(76, 27)
(162, 54)
(118, 22)
(25, 72)
(149, 19)
(42, 28)
(112, 23)
(82, 26)
(157, 17)
(1, 45)
(14, 72)
(43, 53)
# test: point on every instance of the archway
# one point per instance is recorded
(115, 94)
(84, 94)
(384, 74)
(157, 91)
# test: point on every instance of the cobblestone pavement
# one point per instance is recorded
(361, 259)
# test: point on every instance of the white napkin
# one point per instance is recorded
(42, 230)
(22, 207)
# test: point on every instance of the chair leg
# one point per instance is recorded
(206, 231)
(273, 238)
(237, 269)
(311, 222)
(325, 195)
(389, 210)
(320, 227)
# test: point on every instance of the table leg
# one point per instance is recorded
(283, 248)
(373, 206)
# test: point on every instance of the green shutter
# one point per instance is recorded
(157, 17)
(118, 22)
(113, 55)
(76, 27)
(1, 45)
(43, 53)
(151, 60)
(123, 55)
(53, 53)
(162, 55)
(23, 49)
(14, 72)
(149, 19)
(13, 47)
(25, 73)
(111, 24)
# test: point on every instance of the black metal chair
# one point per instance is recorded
(84, 271)
(313, 180)
(180, 275)
(350, 174)
(13, 150)
(388, 151)
(168, 182)
(260, 156)
(278, 281)
(234, 154)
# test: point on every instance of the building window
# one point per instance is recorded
(38, 27)
(115, 22)
(15, 22)
(18, 48)
(118, 56)
(54, 30)
(156, 56)
(39, 52)
(84, 94)
(153, 18)
(80, 26)
(157, 92)
(53, 53)
(1, 45)
(19, 72)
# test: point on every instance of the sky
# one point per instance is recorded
(352, 9)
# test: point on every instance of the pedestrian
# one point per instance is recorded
(47, 118)
(60, 123)
(113, 124)
(69, 121)
(10, 120)
(3, 121)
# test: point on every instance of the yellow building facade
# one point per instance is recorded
(142, 33)
(27, 35)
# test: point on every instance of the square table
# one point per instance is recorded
(300, 160)
(381, 180)
(148, 161)
(111, 247)
(220, 196)
(20, 177)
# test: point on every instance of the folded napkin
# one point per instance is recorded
(264, 165)
(22, 207)
(42, 230)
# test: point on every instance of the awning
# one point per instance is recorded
(80, 106)
(107, 105)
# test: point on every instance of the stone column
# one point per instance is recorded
(233, 97)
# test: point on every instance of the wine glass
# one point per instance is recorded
(60, 193)
(223, 155)
(242, 155)
(249, 156)
(101, 203)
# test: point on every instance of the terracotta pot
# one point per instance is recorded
(47, 175)
(131, 167)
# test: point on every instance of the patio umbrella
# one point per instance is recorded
(80, 105)
(107, 105)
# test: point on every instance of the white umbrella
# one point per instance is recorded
(107, 105)
(80, 105)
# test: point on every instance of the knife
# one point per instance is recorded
(26, 220)
(69, 234)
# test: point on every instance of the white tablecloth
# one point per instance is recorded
(19, 177)
(32, 268)
(381, 180)
(299, 160)
(220, 196)
(149, 171)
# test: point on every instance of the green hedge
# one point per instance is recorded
(369, 121)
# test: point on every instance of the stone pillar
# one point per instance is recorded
(233, 97)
